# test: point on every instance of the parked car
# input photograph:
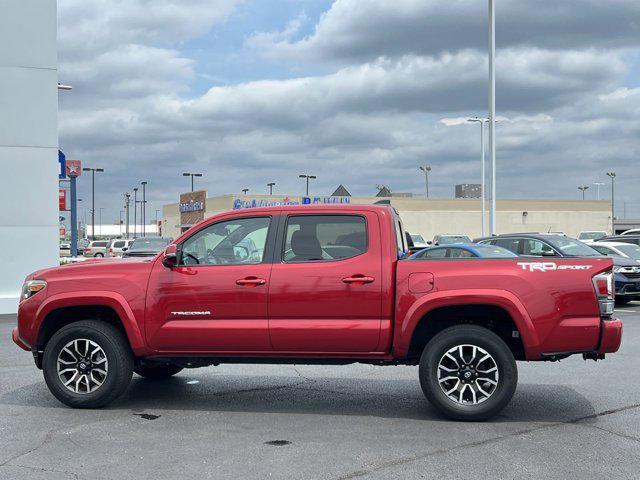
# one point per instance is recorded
(591, 235)
(621, 249)
(549, 246)
(419, 241)
(463, 251)
(448, 239)
(146, 247)
(118, 246)
(635, 239)
(65, 249)
(540, 245)
(82, 244)
(464, 322)
(631, 231)
(97, 248)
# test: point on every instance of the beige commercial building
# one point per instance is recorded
(427, 217)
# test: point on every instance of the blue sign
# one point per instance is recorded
(324, 200)
(62, 160)
(191, 206)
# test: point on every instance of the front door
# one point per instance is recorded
(216, 298)
(325, 292)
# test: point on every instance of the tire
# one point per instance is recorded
(622, 300)
(113, 347)
(99, 255)
(466, 380)
(157, 372)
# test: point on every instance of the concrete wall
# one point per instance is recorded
(28, 143)
(432, 216)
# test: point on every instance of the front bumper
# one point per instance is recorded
(611, 336)
(626, 287)
(18, 341)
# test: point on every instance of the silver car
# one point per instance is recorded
(97, 248)
(117, 246)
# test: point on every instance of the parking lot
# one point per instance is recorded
(571, 419)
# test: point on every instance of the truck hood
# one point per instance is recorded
(93, 267)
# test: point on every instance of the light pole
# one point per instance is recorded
(157, 229)
(583, 189)
(100, 219)
(307, 177)
(135, 211)
(120, 223)
(271, 185)
(612, 176)
(93, 197)
(245, 190)
(482, 121)
(492, 113)
(127, 197)
(144, 207)
(598, 184)
(187, 174)
(426, 169)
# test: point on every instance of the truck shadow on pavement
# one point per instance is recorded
(400, 398)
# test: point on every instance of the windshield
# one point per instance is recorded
(449, 239)
(417, 238)
(591, 235)
(493, 251)
(148, 244)
(631, 250)
(573, 247)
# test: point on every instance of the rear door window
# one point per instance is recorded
(511, 244)
(318, 238)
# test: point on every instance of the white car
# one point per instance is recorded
(633, 231)
(621, 249)
(418, 240)
(590, 236)
(118, 246)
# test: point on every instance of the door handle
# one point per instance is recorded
(358, 279)
(251, 281)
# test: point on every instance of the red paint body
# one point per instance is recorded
(365, 307)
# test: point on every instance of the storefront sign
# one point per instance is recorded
(192, 207)
(73, 168)
(239, 203)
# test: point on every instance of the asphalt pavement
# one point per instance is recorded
(568, 420)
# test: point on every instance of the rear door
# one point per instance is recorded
(325, 294)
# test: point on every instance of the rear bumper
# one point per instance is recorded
(611, 337)
(18, 341)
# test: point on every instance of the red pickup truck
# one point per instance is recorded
(313, 285)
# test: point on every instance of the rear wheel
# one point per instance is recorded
(99, 255)
(87, 364)
(157, 372)
(468, 373)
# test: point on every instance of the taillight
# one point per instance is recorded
(111, 250)
(603, 285)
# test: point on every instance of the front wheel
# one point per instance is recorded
(468, 373)
(87, 364)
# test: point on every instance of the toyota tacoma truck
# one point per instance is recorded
(313, 285)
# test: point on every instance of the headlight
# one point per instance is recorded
(616, 269)
(30, 288)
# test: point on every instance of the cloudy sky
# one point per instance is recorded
(358, 92)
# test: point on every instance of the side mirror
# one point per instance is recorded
(170, 257)
(548, 253)
(124, 249)
(429, 242)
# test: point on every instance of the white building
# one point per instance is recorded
(28, 143)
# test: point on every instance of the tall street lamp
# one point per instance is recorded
(598, 184)
(135, 211)
(482, 121)
(271, 185)
(426, 169)
(245, 190)
(612, 176)
(312, 177)
(127, 197)
(187, 174)
(144, 207)
(93, 197)
(100, 220)
(583, 189)
(492, 112)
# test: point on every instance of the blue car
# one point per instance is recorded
(463, 250)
